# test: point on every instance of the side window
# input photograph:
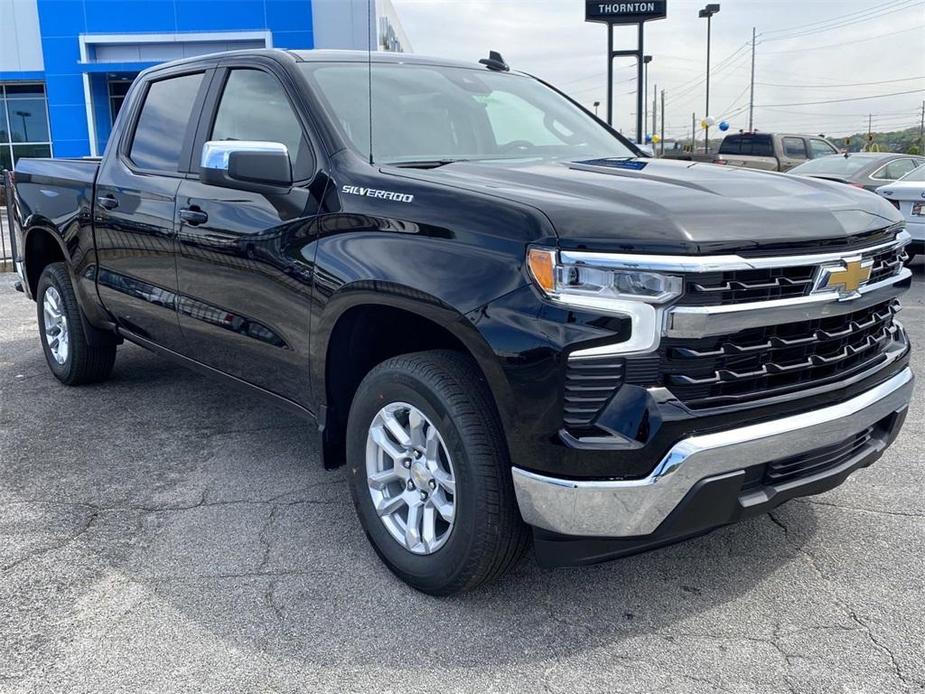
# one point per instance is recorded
(794, 147)
(162, 124)
(821, 148)
(896, 169)
(254, 106)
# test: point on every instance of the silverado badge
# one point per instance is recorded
(846, 278)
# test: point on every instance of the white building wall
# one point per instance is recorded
(20, 40)
(345, 24)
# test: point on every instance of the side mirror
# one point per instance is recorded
(262, 167)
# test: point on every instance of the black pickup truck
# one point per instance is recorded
(503, 319)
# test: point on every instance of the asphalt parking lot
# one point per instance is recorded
(160, 533)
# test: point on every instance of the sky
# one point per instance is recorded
(830, 51)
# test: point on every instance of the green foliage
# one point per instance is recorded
(899, 141)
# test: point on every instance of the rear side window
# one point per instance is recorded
(794, 147)
(254, 106)
(162, 124)
(896, 169)
(732, 144)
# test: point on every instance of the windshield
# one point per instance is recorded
(433, 113)
(834, 165)
(917, 175)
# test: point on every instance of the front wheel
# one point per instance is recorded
(430, 474)
(70, 356)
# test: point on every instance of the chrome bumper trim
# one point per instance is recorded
(703, 321)
(628, 508)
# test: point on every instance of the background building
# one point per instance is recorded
(66, 65)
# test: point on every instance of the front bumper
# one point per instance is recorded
(718, 463)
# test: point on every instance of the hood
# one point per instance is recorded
(669, 206)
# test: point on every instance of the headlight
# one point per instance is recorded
(587, 280)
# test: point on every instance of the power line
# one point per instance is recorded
(843, 43)
(855, 98)
(834, 86)
(838, 18)
(840, 25)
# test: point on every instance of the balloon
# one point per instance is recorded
(656, 139)
(704, 124)
(724, 125)
(711, 121)
(648, 139)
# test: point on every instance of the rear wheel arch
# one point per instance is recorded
(42, 247)
(367, 333)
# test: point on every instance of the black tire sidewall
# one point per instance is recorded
(443, 566)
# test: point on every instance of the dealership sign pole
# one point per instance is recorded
(622, 13)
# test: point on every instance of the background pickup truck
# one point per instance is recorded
(506, 323)
(771, 152)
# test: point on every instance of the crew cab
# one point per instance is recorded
(771, 151)
(504, 321)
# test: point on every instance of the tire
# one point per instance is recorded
(487, 536)
(73, 360)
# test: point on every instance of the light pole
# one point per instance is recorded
(646, 59)
(24, 115)
(596, 104)
(708, 12)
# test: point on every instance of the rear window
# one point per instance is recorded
(750, 145)
(836, 165)
(918, 175)
(162, 124)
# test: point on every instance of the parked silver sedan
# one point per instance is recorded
(868, 170)
(908, 195)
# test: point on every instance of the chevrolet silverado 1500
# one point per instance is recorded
(503, 320)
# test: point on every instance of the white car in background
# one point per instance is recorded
(908, 196)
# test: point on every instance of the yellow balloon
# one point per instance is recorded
(704, 124)
(656, 139)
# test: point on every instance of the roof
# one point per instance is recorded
(327, 55)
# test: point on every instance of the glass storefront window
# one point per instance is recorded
(23, 122)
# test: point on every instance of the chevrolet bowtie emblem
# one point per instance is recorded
(846, 278)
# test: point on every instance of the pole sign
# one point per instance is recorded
(625, 12)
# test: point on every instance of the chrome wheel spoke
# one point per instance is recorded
(382, 440)
(56, 333)
(389, 505)
(429, 530)
(413, 525)
(445, 481)
(395, 428)
(416, 424)
(445, 508)
(381, 480)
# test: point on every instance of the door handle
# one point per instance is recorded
(193, 216)
(107, 202)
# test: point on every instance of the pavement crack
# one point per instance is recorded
(879, 645)
(880, 512)
(266, 537)
(85, 526)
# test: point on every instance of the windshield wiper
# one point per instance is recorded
(425, 163)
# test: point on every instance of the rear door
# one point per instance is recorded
(793, 152)
(244, 263)
(134, 210)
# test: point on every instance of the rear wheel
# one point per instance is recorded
(70, 356)
(430, 474)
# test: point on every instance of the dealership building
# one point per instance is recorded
(66, 65)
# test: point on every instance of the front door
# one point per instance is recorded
(134, 220)
(244, 266)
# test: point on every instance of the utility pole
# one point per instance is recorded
(654, 109)
(708, 12)
(751, 96)
(645, 86)
(661, 143)
(922, 131)
(693, 132)
(870, 117)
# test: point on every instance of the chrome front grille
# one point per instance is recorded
(762, 362)
(767, 284)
